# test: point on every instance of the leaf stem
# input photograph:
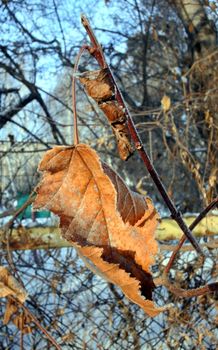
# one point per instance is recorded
(76, 133)
(97, 52)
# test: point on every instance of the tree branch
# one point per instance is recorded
(8, 91)
(96, 51)
(8, 115)
(18, 74)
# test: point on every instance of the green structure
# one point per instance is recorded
(28, 213)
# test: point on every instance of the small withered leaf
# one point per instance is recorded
(111, 227)
(165, 103)
(99, 86)
(124, 146)
(23, 323)
(10, 310)
(113, 111)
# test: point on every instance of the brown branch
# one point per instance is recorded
(8, 90)
(186, 293)
(187, 248)
(96, 51)
(7, 213)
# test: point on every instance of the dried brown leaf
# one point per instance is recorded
(10, 310)
(17, 316)
(166, 103)
(23, 323)
(113, 112)
(100, 87)
(9, 285)
(111, 226)
(97, 84)
(124, 146)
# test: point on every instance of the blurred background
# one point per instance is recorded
(164, 55)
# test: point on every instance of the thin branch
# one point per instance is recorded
(7, 213)
(8, 91)
(96, 50)
(8, 115)
(191, 227)
(186, 293)
(60, 25)
(34, 319)
(213, 244)
(117, 32)
(27, 131)
(26, 31)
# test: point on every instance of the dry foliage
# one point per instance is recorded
(166, 103)
(111, 226)
(10, 287)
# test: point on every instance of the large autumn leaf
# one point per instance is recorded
(111, 226)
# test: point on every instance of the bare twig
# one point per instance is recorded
(187, 248)
(8, 115)
(186, 293)
(191, 227)
(7, 213)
